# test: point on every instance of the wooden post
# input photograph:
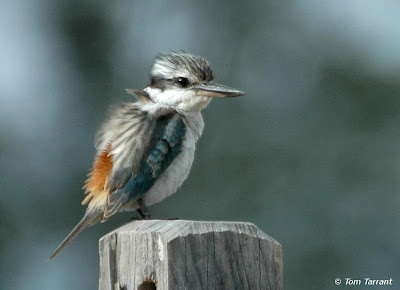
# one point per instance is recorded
(182, 254)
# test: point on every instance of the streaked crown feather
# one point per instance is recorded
(181, 64)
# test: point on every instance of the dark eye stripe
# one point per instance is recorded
(162, 84)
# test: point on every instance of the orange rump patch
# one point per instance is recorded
(97, 178)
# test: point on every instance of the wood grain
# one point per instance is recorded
(182, 254)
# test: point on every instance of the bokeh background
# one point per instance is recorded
(311, 154)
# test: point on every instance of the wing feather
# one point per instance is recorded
(163, 143)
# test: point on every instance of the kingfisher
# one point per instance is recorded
(145, 149)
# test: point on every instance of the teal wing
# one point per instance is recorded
(164, 146)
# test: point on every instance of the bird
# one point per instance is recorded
(145, 149)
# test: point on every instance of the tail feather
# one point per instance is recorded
(86, 221)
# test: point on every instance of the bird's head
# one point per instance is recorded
(184, 81)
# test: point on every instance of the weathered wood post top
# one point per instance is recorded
(182, 254)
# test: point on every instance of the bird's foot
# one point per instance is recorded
(142, 210)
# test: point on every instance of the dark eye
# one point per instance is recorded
(182, 82)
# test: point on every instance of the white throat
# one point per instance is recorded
(181, 99)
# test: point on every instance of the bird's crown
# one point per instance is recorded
(181, 67)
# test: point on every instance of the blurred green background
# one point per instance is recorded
(310, 155)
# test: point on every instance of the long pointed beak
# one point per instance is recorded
(216, 90)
